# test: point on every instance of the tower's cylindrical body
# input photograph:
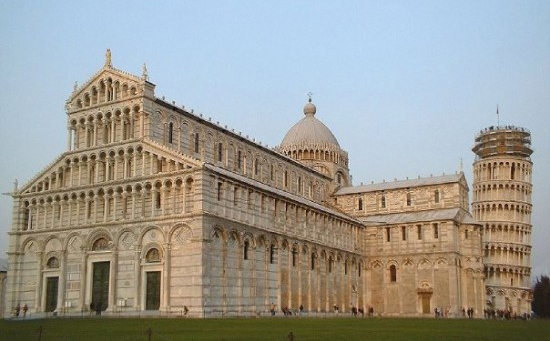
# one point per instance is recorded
(502, 203)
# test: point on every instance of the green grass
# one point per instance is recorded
(274, 329)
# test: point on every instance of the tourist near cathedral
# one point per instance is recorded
(155, 209)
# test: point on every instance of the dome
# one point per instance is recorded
(309, 130)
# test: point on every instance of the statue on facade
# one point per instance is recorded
(144, 73)
(108, 58)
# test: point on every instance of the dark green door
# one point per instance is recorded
(51, 293)
(100, 285)
(152, 299)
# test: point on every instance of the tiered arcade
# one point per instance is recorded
(502, 202)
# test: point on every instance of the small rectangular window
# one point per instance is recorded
(272, 254)
(436, 230)
(219, 191)
(403, 232)
(220, 152)
(271, 172)
(235, 196)
(436, 197)
(171, 132)
(158, 201)
(197, 142)
(388, 234)
(239, 162)
(419, 231)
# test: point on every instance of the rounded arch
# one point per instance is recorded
(148, 229)
(49, 244)
(97, 234)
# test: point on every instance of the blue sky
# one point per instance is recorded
(403, 85)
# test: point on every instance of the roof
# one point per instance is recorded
(456, 214)
(436, 180)
(290, 196)
(309, 130)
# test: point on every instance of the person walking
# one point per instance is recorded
(25, 309)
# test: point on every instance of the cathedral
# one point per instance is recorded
(153, 208)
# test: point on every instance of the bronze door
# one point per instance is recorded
(425, 304)
(100, 285)
(152, 296)
(51, 293)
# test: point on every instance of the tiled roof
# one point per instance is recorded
(436, 180)
(456, 214)
(290, 196)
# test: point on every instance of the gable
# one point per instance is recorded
(108, 84)
(46, 178)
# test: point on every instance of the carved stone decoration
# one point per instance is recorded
(101, 244)
(53, 263)
(182, 235)
(74, 244)
(127, 241)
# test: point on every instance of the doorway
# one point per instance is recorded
(152, 295)
(100, 285)
(425, 300)
(52, 284)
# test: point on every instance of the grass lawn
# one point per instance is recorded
(274, 329)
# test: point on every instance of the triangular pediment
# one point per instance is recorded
(43, 178)
(52, 175)
(107, 84)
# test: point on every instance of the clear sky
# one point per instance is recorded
(403, 85)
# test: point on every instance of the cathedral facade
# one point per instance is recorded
(155, 208)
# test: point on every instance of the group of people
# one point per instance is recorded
(441, 313)
(18, 310)
(505, 314)
(336, 309)
(469, 312)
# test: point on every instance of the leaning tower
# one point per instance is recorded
(502, 203)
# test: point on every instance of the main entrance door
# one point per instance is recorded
(100, 285)
(152, 297)
(425, 303)
(51, 293)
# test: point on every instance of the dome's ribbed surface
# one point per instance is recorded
(311, 131)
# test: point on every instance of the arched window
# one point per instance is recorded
(393, 273)
(436, 196)
(153, 256)
(256, 167)
(359, 266)
(100, 244)
(330, 261)
(53, 263)
(360, 204)
(513, 171)
(313, 261)
(171, 132)
(245, 249)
